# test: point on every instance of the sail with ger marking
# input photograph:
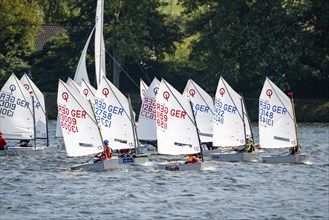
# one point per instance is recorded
(176, 130)
(229, 126)
(16, 110)
(203, 107)
(276, 118)
(113, 115)
(80, 130)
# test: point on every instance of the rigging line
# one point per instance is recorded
(194, 122)
(291, 117)
(202, 97)
(132, 37)
(93, 119)
(122, 69)
(140, 67)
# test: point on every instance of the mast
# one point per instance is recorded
(136, 142)
(294, 114)
(244, 124)
(34, 127)
(99, 130)
(197, 130)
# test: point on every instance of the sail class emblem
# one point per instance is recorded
(27, 87)
(65, 96)
(269, 93)
(155, 90)
(12, 87)
(222, 91)
(85, 92)
(166, 95)
(192, 92)
(105, 92)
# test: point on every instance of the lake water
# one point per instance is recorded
(43, 187)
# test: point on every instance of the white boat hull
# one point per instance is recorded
(139, 160)
(20, 151)
(208, 153)
(297, 158)
(98, 166)
(234, 157)
(182, 166)
(147, 149)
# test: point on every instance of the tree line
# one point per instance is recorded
(243, 40)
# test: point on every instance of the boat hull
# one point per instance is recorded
(98, 166)
(182, 166)
(234, 157)
(20, 151)
(139, 160)
(147, 149)
(297, 158)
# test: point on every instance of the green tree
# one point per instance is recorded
(244, 41)
(19, 24)
(135, 32)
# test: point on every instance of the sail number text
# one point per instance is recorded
(148, 108)
(68, 118)
(220, 110)
(8, 104)
(267, 112)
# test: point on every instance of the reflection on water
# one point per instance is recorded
(42, 187)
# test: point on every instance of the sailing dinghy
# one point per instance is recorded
(277, 124)
(177, 133)
(231, 126)
(22, 117)
(80, 129)
(146, 129)
(114, 115)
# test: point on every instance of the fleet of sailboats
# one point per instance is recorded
(169, 123)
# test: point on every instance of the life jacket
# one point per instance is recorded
(107, 154)
(250, 148)
(193, 159)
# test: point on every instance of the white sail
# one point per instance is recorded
(81, 71)
(39, 106)
(276, 119)
(99, 43)
(176, 131)
(74, 85)
(147, 129)
(16, 110)
(203, 107)
(113, 116)
(143, 88)
(86, 90)
(229, 128)
(77, 119)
